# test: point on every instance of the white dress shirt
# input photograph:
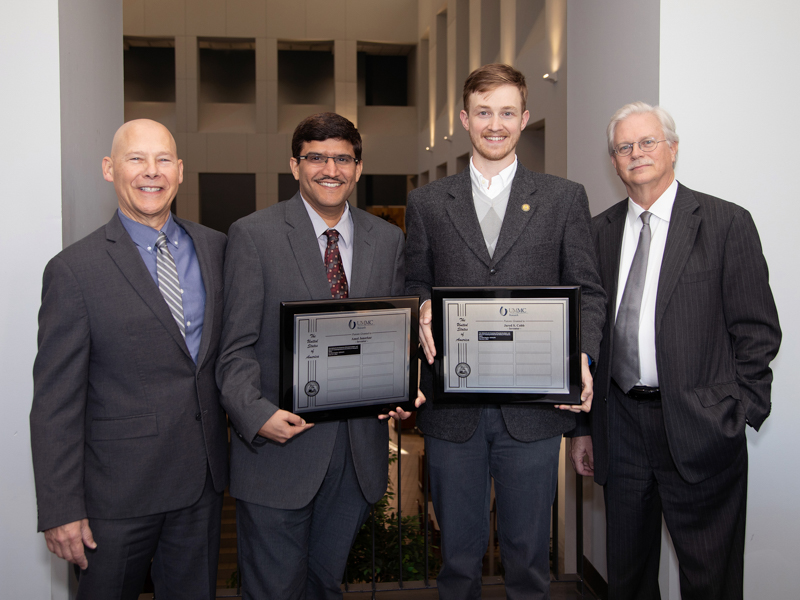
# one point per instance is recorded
(491, 188)
(659, 226)
(345, 229)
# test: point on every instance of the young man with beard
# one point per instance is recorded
(498, 224)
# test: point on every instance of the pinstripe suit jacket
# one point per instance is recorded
(716, 332)
(548, 244)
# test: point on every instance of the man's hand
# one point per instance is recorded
(67, 541)
(283, 426)
(581, 447)
(425, 334)
(402, 415)
(587, 391)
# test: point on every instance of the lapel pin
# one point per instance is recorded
(526, 207)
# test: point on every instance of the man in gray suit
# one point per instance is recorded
(684, 365)
(129, 439)
(302, 490)
(498, 224)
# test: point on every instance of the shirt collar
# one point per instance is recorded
(503, 178)
(344, 226)
(145, 236)
(661, 208)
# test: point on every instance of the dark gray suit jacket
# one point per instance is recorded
(123, 423)
(716, 332)
(549, 244)
(273, 256)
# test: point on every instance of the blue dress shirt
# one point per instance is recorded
(182, 249)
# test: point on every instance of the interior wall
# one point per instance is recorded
(68, 65)
(599, 42)
(741, 96)
(31, 205)
(92, 97)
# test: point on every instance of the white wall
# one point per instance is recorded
(45, 125)
(734, 98)
(30, 156)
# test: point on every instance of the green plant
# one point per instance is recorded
(387, 546)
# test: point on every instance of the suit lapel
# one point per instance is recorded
(610, 242)
(461, 210)
(209, 284)
(363, 254)
(523, 188)
(126, 256)
(683, 228)
(306, 249)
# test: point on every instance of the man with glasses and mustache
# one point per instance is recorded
(684, 365)
(303, 490)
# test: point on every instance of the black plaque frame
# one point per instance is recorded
(362, 305)
(571, 293)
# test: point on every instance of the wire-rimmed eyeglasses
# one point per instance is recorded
(318, 160)
(647, 145)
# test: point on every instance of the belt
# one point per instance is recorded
(642, 393)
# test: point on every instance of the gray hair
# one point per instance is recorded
(640, 108)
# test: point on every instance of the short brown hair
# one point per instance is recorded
(325, 126)
(490, 77)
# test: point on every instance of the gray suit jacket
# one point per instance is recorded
(273, 256)
(123, 423)
(548, 244)
(716, 332)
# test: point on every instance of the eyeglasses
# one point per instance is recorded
(647, 145)
(319, 160)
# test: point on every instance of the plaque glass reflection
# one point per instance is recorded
(511, 344)
(348, 358)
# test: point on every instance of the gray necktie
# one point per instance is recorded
(625, 366)
(490, 226)
(168, 283)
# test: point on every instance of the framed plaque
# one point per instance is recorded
(509, 344)
(348, 358)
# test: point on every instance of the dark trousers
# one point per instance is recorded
(525, 478)
(706, 520)
(182, 544)
(302, 554)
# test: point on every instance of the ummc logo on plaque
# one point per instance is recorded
(506, 311)
(360, 324)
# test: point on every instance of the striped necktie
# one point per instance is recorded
(168, 283)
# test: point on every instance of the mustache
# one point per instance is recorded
(640, 162)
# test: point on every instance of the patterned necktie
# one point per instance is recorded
(168, 283)
(625, 366)
(334, 267)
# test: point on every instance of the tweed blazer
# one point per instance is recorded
(123, 423)
(716, 332)
(273, 256)
(547, 244)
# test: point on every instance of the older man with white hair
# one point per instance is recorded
(690, 331)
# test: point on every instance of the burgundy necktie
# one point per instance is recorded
(334, 267)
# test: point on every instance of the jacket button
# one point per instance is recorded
(197, 417)
(492, 271)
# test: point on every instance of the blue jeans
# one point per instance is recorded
(525, 479)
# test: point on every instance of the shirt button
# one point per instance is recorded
(181, 291)
(188, 322)
(149, 248)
